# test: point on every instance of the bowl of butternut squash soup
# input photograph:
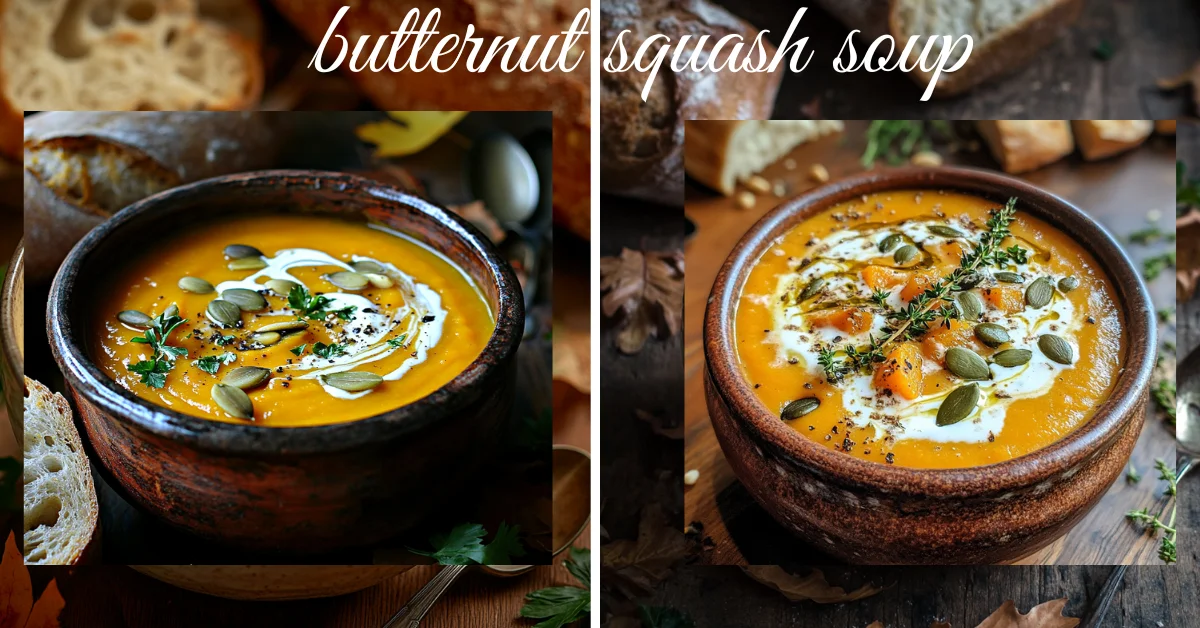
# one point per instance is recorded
(288, 360)
(927, 366)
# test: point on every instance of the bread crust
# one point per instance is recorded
(642, 143)
(565, 94)
(1024, 145)
(1098, 139)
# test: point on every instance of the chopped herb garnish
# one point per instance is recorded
(1131, 475)
(397, 342)
(1163, 393)
(224, 340)
(212, 363)
(1166, 314)
(559, 606)
(300, 350)
(315, 307)
(328, 352)
(464, 546)
(1152, 267)
(162, 358)
(1103, 50)
(1154, 522)
(1146, 236)
(897, 140)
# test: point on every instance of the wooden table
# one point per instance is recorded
(1150, 40)
(1118, 192)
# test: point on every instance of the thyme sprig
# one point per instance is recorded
(1154, 523)
(916, 318)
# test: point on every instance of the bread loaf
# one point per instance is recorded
(81, 167)
(719, 153)
(564, 94)
(642, 143)
(1098, 139)
(61, 511)
(1007, 34)
(1024, 145)
(111, 55)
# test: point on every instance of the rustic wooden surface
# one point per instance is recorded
(1150, 40)
(1118, 192)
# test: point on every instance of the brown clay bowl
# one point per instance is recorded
(866, 512)
(305, 489)
(273, 582)
(12, 338)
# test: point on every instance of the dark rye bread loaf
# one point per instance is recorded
(641, 143)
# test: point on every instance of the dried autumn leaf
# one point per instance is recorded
(646, 288)
(1044, 615)
(17, 608)
(477, 214)
(409, 133)
(638, 566)
(812, 587)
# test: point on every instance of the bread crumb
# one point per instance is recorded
(789, 163)
(818, 173)
(758, 184)
(691, 477)
(1153, 215)
(745, 199)
(927, 159)
(780, 189)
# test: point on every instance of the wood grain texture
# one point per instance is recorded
(1150, 40)
(1119, 192)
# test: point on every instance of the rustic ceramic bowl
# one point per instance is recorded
(866, 512)
(300, 489)
(12, 338)
(273, 582)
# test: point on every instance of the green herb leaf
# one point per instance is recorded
(558, 606)
(153, 372)
(300, 350)
(1132, 476)
(579, 563)
(1103, 50)
(504, 547)
(462, 546)
(397, 342)
(664, 617)
(314, 307)
(1152, 267)
(328, 352)
(1163, 392)
(212, 363)
(224, 340)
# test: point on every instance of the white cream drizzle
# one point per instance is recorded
(421, 317)
(796, 339)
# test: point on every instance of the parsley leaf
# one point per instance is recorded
(315, 307)
(212, 363)
(328, 351)
(153, 371)
(299, 350)
(397, 342)
(1152, 267)
(504, 547)
(224, 340)
(464, 546)
(560, 606)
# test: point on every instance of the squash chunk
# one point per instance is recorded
(959, 334)
(919, 282)
(901, 372)
(1007, 299)
(882, 277)
(851, 320)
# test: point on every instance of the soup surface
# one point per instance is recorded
(905, 328)
(317, 321)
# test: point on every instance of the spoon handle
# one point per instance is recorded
(1182, 464)
(414, 611)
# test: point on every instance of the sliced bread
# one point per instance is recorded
(719, 153)
(1006, 34)
(61, 512)
(1024, 145)
(1098, 139)
(122, 55)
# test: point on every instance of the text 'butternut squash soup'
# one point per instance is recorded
(288, 320)
(929, 329)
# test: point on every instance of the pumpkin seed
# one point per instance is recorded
(991, 334)
(1056, 349)
(347, 280)
(379, 281)
(239, 251)
(799, 407)
(248, 263)
(247, 300)
(367, 266)
(172, 310)
(943, 230)
(970, 306)
(1038, 294)
(958, 405)
(134, 318)
(282, 326)
(281, 286)
(224, 313)
(352, 381)
(266, 338)
(905, 254)
(966, 364)
(1012, 357)
(889, 243)
(246, 377)
(1067, 284)
(234, 401)
(1008, 277)
(195, 284)
(969, 280)
(811, 289)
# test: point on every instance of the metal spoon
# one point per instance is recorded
(571, 486)
(1187, 414)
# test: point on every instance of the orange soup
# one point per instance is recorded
(288, 320)
(929, 329)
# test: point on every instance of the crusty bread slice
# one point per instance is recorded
(123, 55)
(61, 512)
(1098, 139)
(1007, 34)
(1024, 145)
(719, 153)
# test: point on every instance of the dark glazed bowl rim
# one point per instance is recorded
(12, 351)
(1040, 465)
(231, 438)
